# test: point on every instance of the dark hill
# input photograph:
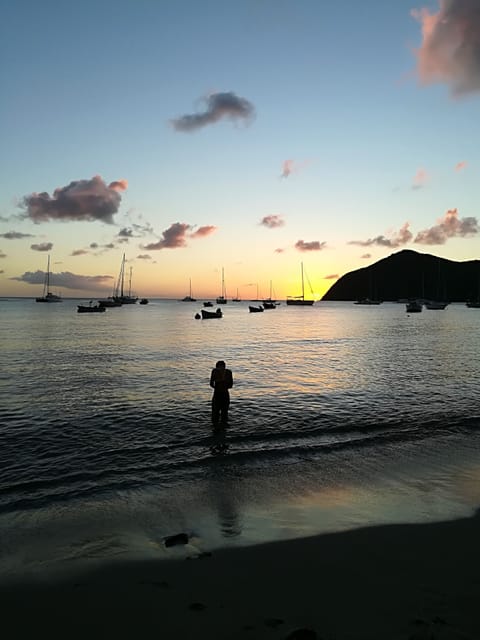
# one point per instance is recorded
(408, 274)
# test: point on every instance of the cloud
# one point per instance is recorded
(125, 233)
(43, 246)
(273, 221)
(144, 256)
(461, 165)
(450, 49)
(1, 270)
(333, 276)
(202, 232)
(290, 166)
(3, 255)
(176, 236)
(403, 236)
(218, 107)
(315, 245)
(79, 252)
(449, 226)
(84, 200)
(15, 235)
(420, 179)
(287, 168)
(366, 256)
(67, 280)
(279, 250)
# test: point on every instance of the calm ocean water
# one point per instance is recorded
(341, 416)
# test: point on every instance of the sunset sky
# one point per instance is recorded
(250, 136)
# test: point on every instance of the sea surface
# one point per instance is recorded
(341, 416)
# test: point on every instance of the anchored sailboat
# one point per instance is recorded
(300, 300)
(189, 297)
(120, 295)
(222, 299)
(48, 296)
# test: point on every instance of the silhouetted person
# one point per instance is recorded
(221, 380)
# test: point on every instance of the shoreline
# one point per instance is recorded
(389, 582)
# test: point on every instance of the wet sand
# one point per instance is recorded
(414, 582)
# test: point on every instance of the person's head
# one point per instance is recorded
(220, 364)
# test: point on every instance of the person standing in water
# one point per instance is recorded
(221, 380)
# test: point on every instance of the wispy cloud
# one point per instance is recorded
(218, 107)
(67, 280)
(79, 252)
(43, 246)
(15, 235)
(203, 232)
(314, 245)
(450, 226)
(177, 234)
(460, 166)
(273, 221)
(144, 256)
(397, 239)
(420, 179)
(366, 256)
(84, 200)
(3, 255)
(279, 250)
(450, 49)
(291, 166)
(333, 276)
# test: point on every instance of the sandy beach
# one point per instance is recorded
(414, 582)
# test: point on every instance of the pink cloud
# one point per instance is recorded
(315, 245)
(202, 232)
(461, 165)
(450, 49)
(272, 221)
(177, 234)
(333, 276)
(449, 226)
(290, 166)
(84, 200)
(420, 179)
(397, 239)
(279, 250)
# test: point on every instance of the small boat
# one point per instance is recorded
(48, 296)
(144, 301)
(300, 300)
(211, 314)
(90, 308)
(435, 305)
(413, 306)
(109, 302)
(189, 297)
(208, 304)
(222, 299)
(473, 304)
(120, 295)
(255, 309)
(270, 303)
(236, 299)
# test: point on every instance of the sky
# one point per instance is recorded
(248, 137)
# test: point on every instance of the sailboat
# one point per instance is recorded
(438, 303)
(48, 296)
(300, 300)
(222, 299)
(189, 297)
(270, 303)
(120, 295)
(236, 299)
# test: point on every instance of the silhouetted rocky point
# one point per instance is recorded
(409, 274)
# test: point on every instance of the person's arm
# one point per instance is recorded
(212, 379)
(229, 379)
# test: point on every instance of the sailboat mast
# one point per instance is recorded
(130, 283)
(48, 274)
(122, 275)
(303, 289)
